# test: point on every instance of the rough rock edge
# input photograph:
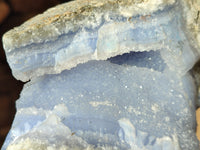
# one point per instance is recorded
(191, 15)
(72, 15)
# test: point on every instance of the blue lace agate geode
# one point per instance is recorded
(110, 74)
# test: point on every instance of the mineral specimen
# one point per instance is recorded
(110, 74)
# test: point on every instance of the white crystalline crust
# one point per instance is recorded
(70, 16)
(50, 24)
(191, 14)
(46, 135)
(164, 143)
(52, 134)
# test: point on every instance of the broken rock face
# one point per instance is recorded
(106, 75)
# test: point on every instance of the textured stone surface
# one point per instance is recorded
(11, 92)
(99, 94)
(73, 27)
(106, 75)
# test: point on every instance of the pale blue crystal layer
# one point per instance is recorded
(114, 35)
(100, 93)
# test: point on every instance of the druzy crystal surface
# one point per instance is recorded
(110, 74)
